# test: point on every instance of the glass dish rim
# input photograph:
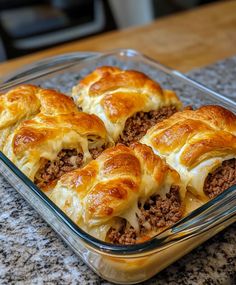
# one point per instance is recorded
(70, 59)
(156, 243)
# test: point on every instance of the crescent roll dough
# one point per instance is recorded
(35, 144)
(117, 95)
(24, 101)
(201, 146)
(126, 190)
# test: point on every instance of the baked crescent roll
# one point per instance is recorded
(24, 101)
(17, 104)
(47, 146)
(201, 146)
(127, 101)
(124, 196)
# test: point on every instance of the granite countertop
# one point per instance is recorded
(32, 253)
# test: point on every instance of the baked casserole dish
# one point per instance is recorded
(129, 171)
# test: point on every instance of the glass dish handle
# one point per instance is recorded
(211, 214)
(56, 62)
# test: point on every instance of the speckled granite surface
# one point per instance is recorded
(31, 253)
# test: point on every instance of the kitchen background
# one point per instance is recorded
(27, 26)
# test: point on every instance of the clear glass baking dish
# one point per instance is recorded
(123, 264)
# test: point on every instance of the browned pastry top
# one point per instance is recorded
(18, 103)
(205, 133)
(109, 78)
(35, 132)
(28, 99)
(115, 95)
(111, 185)
(50, 121)
(195, 142)
(54, 102)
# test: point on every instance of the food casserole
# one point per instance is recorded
(111, 261)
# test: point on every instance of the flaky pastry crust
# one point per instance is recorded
(195, 142)
(115, 95)
(24, 101)
(44, 136)
(111, 186)
(41, 123)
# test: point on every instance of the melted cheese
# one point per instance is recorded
(131, 215)
(68, 201)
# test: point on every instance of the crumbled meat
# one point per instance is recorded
(122, 236)
(221, 179)
(160, 212)
(67, 160)
(95, 152)
(188, 108)
(137, 125)
(156, 214)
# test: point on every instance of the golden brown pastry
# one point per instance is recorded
(127, 101)
(47, 146)
(53, 102)
(124, 196)
(201, 146)
(17, 104)
(25, 101)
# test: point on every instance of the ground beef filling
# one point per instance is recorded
(137, 126)
(156, 214)
(95, 152)
(221, 179)
(67, 160)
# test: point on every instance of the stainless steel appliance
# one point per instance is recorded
(30, 25)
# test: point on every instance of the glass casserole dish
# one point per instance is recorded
(124, 264)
